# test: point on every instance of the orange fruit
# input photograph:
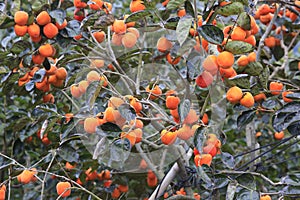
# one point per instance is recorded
(154, 92)
(90, 124)
(2, 192)
(260, 97)
(251, 40)
(75, 91)
(136, 5)
(36, 39)
(227, 30)
(26, 176)
(185, 132)
(265, 19)
(234, 94)
(109, 114)
(63, 189)
(137, 123)
(152, 182)
(275, 87)
(38, 59)
(255, 29)
(79, 4)
(242, 61)
(43, 85)
(163, 44)
(129, 40)
(123, 188)
(99, 36)
(252, 57)
(20, 30)
(134, 31)
(34, 30)
(48, 98)
(119, 26)
(191, 117)
(225, 59)
(61, 26)
(238, 34)
(204, 80)
(46, 50)
(107, 7)
(205, 119)
(43, 18)
(61, 73)
(96, 4)
(98, 63)
(181, 12)
(171, 60)
(247, 100)
(92, 76)
(265, 197)
(115, 193)
(227, 73)
(50, 30)
(210, 64)
(172, 102)
(211, 149)
(264, 9)
(285, 99)
(168, 137)
(115, 102)
(279, 135)
(139, 134)
(270, 41)
(200, 160)
(51, 71)
(117, 39)
(21, 18)
(83, 85)
(138, 106)
(69, 166)
(130, 136)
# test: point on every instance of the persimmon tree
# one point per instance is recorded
(173, 99)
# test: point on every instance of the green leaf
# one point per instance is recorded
(264, 77)
(234, 8)
(20, 46)
(68, 154)
(183, 28)
(253, 69)
(189, 8)
(247, 180)
(241, 80)
(37, 5)
(231, 189)
(137, 16)
(3, 70)
(244, 21)
(199, 138)
(59, 15)
(248, 194)
(245, 118)
(228, 160)
(238, 47)
(288, 115)
(127, 112)
(211, 33)
(16, 6)
(174, 4)
(72, 29)
(184, 109)
(171, 23)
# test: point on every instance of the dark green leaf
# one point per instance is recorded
(59, 15)
(234, 8)
(241, 80)
(277, 52)
(245, 118)
(247, 180)
(68, 154)
(137, 16)
(291, 190)
(199, 138)
(228, 160)
(73, 28)
(211, 33)
(244, 21)
(20, 46)
(184, 109)
(37, 5)
(248, 194)
(253, 69)
(264, 77)
(287, 116)
(127, 112)
(231, 189)
(238, 47)
(6, 21)
(183, 28)
(174, 4)
(270, 103)
(189, 8)
(171, 23)
(110, 127)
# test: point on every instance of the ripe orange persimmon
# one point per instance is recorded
(211, 149)
(172, 102)
(20, 30)
(2, 192)
(38, 58)
(46, 50)
(63, 189)
(168, 137)
(50, 30)
(26, 176)
(92, 76)
(123, 188)
(96, 4)
(21, 18)
(225, 59)
(234, 94)
(260, 97)
(252, 57)
(83, 85)
(75, 91)
(200, 160)
(285, 99)
(247, 100)
(48, 98)
(152, 182)
(43, 18)
(270, 41)
(155, 92)
(265, 197)
(275, 87)
(131, 136)
(134, 31)
(99, 36)
(115, 193)
(163, 44)
(119, 26)
(69, 166)
(136, 5)
(181, 12)
(109, 114)
(204, 80)
(242, 61)
(117, 39)
(61, 73)
(90, 124)
(238, 34)
(279, 135)
(251, 40)
(115, 102)
(34, 30)
(129, 40)
(185, 132)
(210, 64)
(191, 117)
(227, 73)
(173, 60)
(36, 39)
